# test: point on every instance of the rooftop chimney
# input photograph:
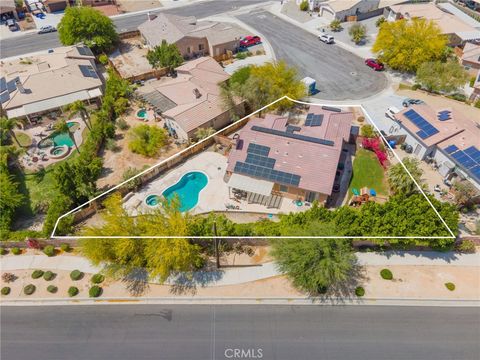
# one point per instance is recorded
(197, 93)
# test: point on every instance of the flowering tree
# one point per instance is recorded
(374, 144)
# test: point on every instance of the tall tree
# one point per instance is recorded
(10, 199)
(442, 76)
(400, 181)
(406, 44)
(165, 56)
(89, 26)
(6, 130)
(79, 107)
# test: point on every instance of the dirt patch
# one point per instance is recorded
(137, 5)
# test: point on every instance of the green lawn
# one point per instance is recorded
(368, 172)
(23, 139)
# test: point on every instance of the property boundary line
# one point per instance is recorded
(186, 150)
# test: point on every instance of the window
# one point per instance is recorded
(201, 47)
(189, 50)
(283, 188)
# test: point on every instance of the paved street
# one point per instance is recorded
(340, 75)
(157, 332)
(34, 42)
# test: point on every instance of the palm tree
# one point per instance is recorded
(400, 181)
(6, 129)
(203, 133)
(79, 107)
(62, 127)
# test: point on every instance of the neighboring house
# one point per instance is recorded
(431, 133)
(471, 57)
(8, 9)
(98, 2)
(32, 86)
(342, 9)
(55, 5)
(457, 30)
(191, 100)
(273, 158)
(475, 96)
(193, 38)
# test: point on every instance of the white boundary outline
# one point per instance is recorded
(452, 235)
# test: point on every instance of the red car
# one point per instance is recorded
(248, 41)
(374, 64)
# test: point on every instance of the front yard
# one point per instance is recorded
(367, 172)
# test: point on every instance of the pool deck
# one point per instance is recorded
(213, 197)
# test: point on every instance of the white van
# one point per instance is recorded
(391, 111)
(326, 38)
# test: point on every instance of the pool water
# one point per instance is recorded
(58, 151)
(142, 113)
(58, 139)
(187, 189)
(152, 200)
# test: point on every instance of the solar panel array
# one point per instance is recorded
(426, 129)
(276, 176)
(314, 120)
(293, 136)
(260, 161)
(6, 88)
(468, 158)
(88, 71)
(85, 51)
(292, 129)
(444, 115)
(258, 149)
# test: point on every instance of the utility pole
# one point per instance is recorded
(215, 243)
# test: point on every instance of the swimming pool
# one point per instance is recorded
(187, 189)
(58, 139)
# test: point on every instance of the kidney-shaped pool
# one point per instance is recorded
(187, 189)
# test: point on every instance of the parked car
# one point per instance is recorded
(391, 111)
(326, 38)
(40, 15)
(248, 41)
(12, 25)
(408, 101)
(47, 29)
(374, 64)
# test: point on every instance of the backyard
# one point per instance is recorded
(367, 172)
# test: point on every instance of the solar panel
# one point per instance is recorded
(12, 84)
(426, 129)
(476, 172)
(292, 129)
(3, 84)
(450, 149)
(310, 116)
(85, 51)
(4, 97)
(474, 153)
(330, 108)
(266, 173)
(293, 136)
(260, 161)
(88, 71)
(258, 149)
(315, 120)
(464, 160)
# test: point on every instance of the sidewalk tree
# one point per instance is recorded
(165, 56)
(357, 33)
(304, 5)
(336, 25)
(444, 77)
(405, 45)
(88, 26)
(400, 181)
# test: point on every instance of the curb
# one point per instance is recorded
(298, 301)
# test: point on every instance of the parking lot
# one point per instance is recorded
(340, 74)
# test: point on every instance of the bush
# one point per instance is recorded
(103, 59)
(72, 291)
(111, 145)
(95, 291)
(122, 124)
(336, 25)
(466, 246)
(361, 119)
(380, 21)
(477, 104)
(147, 140)
(97, 278)
(416, 86)
(458, 97)
(359, 291)
(386, 274)
(3, 251)
(8, 277)
(65, 247)
(5, 290)
(37, 274)
(472, 81)
(29, 289)
(49, 276)
(450, 286)
(241, 55)
(357, 33)
(52, 289)
(76, 275)
(16, 251)
(304, 5)
(49, 250)
(368, 131)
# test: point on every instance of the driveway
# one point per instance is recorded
(377, 107)
(340, 74)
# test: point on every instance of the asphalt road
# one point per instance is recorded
(28, 43)
(340, 74)
(155, 332)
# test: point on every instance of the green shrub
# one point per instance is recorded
(65, 247)
(477, 104)
(52, 289)
(472, 81)
(304, 5)
(458, 97)
(122, 124)
(48, 275)
(37, 274)
(450, 286)
(72, 291)
(49, 250)
(466, 246)
(386, 274)
(241, 55)
(97, 278)
(3, 251)
(103, 59)
(16, 251)
(380, 21)
(359, 291)
(29, 289)
(111, 145)
(5, 290)
(416, 86)
(147, 140)
(76, 275)
(95, 291)
(336, 25)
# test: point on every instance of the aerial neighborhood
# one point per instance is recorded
(179, 137)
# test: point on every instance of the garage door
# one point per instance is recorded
(327, 13)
